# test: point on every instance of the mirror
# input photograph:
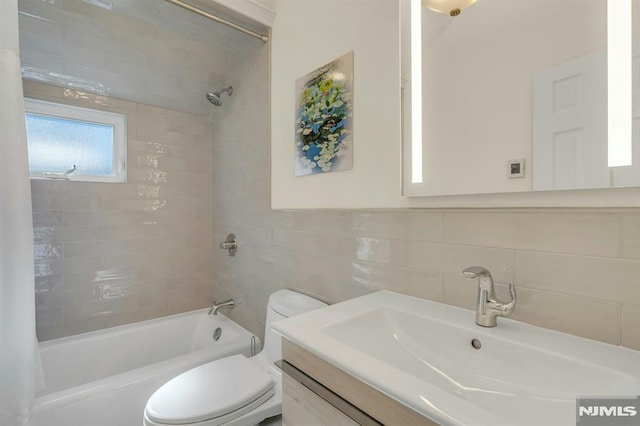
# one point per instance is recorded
(516, 97)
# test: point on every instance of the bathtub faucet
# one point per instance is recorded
(226, 304)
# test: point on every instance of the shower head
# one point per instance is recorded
(214, 97)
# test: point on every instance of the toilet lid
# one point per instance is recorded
(209, 391)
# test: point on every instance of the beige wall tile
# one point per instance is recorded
(403, 280)
(154, 298)
(460, 291)
(334, 269)
(77, 265)
(50, 316)
(588, 318)
(373, 250)
(47, 186)
(631, 326)
(326, 222)
(119, 232)
(49, 290)
(36, 90)
(577, 233)
(99, 217)
(103, 250)
(47, 218)
(47, 251)
(313, 242)
(613, 280)
(67, 328)
(631, 236)
(78, 233)
(320, 286)
(100, 248)
(143, 314)
(425, 226)
(379, 225)
(453, 259)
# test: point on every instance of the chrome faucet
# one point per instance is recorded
(488, 308)
(217, 306)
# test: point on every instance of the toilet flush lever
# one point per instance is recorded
(230, 245)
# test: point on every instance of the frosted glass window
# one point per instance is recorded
(75, 143)
(56, 144)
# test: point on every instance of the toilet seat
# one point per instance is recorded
(211, 394)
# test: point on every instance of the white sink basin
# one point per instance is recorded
(420, 353)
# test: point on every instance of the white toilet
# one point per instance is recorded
(233, 391)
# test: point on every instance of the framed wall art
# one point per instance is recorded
(324, 111)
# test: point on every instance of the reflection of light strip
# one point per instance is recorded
(100, 3)
(30, 15)
(619, 81)
(416, 91)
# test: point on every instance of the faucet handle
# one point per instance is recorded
(230, 245)
(512, 291)
(507, 308)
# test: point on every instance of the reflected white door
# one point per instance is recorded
(570, 125)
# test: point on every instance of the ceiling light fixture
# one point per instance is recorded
(452, 7)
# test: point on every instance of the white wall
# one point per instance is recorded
(307, 35)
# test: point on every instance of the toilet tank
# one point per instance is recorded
(284, 304)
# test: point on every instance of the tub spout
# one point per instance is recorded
(229, 304)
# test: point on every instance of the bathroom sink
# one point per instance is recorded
(434, 359)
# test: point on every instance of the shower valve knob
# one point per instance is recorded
(230, 245)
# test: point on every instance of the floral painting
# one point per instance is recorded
(324, 104)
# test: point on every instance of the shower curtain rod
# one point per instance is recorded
(218, 19)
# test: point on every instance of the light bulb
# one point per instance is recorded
(452, 7)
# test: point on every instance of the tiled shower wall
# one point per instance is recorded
(113, 253)
(576, 271)
(147, 51)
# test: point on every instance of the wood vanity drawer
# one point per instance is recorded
(301, 406)
(378, 406)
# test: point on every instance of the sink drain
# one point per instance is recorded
(476, 344)
(217, 333)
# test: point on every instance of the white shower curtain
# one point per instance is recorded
(18, 353)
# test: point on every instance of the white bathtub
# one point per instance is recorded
(104, 378)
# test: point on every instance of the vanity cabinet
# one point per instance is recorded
(302, 406)
(316, 392)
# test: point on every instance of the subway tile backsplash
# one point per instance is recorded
(110, 253)
(576, 271)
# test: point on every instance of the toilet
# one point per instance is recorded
(232, 391)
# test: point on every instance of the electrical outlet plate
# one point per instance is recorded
(515, 168)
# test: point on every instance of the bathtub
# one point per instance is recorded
(104, 378)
